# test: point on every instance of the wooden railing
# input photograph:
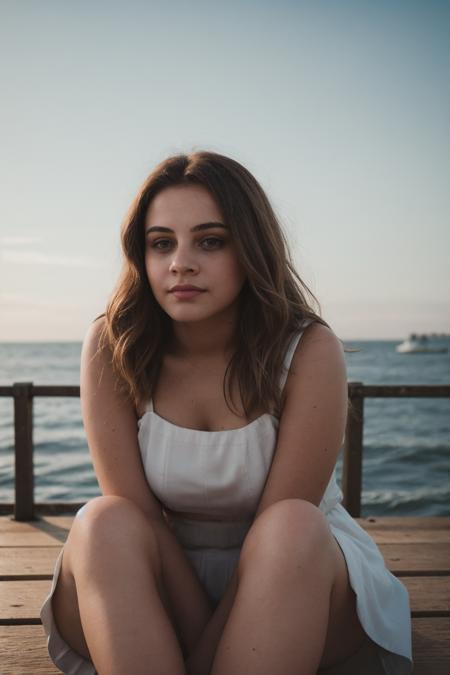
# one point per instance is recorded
(23, 393)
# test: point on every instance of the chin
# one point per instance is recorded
(194, 314)
(187, 315)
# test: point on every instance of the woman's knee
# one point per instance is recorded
(109, 512)
(107, 522)
(290, 529)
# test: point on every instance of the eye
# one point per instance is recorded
(160, 244)
(212, 243)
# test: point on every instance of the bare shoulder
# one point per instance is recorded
(318, 332)
(93, 343)
(318, 363)
(99, 383)
(318, 342)
(96, 361)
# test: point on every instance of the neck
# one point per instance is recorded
(214, 337)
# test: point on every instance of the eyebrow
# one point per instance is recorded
(196, 228)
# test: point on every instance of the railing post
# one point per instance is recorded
(23, 429)
(352, 459)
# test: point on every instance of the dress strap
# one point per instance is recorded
(149, 406)
(290, 352)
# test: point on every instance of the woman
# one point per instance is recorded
(214, 400)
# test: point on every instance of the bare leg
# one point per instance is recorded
(109, 602)
(294, 610)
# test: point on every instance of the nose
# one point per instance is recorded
(182, 263)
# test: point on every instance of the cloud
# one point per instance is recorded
(12, 252)
(19, 302)
(16, 257)
(18, 241)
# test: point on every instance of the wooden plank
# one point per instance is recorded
(23, 439)
(402, 559)
(405, 523)
(400, 390)
(370, 524)
(26, 562)
(64, 522)
(51, 531)
(424, 537)
(23, 651)
(45, 508)
(376, 527)
(414, 530)
(399, 523)
(429, 596)
(414, 559)
(20, 601)
(32, 537)
(66, 390)
(354, 388)
(431, 646)
(352, 456)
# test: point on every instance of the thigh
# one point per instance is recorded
(345, 634)
(110, 523)
(103, 530)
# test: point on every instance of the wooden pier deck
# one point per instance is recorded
(415, 549)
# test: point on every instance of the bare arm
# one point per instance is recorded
(110, 422)
(313, 421)
(310, 434)
(111, 428)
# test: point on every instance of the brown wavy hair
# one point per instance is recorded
(274, 300)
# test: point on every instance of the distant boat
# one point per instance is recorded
(419, 344)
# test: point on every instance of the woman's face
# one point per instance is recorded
(188, 244)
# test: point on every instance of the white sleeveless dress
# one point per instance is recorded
(222, 474)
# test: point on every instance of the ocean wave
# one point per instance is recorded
(423, 500)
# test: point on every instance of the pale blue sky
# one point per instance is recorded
(340, 109)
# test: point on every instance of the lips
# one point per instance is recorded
(185, 287)
(186, 291)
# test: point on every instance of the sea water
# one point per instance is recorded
(406, 467)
